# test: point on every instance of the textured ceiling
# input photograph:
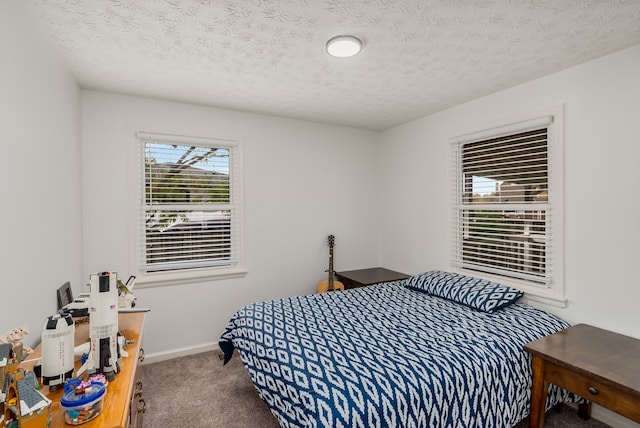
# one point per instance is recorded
(268, 56)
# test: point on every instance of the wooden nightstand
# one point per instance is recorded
(598, 365)
(363, 277)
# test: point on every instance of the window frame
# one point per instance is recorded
(552, 291)
(137, 242)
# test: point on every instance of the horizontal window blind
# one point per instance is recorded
(501, 221)
(187, 211)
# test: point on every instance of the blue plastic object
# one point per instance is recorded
(93, 392)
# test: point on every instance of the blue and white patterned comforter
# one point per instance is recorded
(389, 356)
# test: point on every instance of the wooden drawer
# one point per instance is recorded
(138, 406)
(619, 400)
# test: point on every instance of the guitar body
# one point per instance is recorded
(330, 284)
(324, 286)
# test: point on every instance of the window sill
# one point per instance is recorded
(547, 299)
(163, 279)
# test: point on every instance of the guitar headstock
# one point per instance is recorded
(331, 240)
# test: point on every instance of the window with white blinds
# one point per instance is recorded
(502, 218)
(188, 213)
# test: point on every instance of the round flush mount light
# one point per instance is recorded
(344, 46)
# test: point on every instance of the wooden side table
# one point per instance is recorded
(364, 277)
(598, 365)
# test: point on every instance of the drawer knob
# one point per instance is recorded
(593, 390)
(141, 355)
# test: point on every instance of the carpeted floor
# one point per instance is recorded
(199, 392)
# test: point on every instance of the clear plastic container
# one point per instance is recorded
(82, 403)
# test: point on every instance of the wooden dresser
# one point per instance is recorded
(123, 404)
(598, 365)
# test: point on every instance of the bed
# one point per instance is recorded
(435, 350)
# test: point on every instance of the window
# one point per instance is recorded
(504, 188)
(188, 217)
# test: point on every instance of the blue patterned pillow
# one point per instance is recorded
(429, 281)
(481, 294)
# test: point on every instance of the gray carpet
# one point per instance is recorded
(198, 391)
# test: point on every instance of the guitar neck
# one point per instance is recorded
(331, 268)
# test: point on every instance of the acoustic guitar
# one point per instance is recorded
(330, 284)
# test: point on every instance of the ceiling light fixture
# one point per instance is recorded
(344, 46)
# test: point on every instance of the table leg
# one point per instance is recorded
(539, 389)
(584, 410)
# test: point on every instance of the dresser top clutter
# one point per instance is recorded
(123, 395)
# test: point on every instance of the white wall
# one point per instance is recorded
(40, 174)
(302, 182)
(601, 185)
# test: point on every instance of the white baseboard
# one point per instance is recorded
(612, 419)
(608, 417)
(156, 357)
